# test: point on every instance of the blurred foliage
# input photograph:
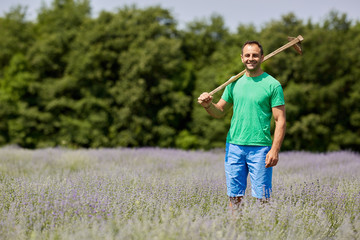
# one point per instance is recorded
(131, 78)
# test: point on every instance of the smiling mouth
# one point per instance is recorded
(251, 64)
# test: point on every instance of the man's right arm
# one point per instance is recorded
(217, 110)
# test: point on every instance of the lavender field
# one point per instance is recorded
(152, 193)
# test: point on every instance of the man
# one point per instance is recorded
(255, 98)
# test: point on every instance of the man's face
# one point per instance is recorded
(251, 57)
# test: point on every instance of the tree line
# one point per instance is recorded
(131, 78)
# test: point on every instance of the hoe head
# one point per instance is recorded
(297, 46)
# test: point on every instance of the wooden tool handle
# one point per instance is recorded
(233, 79)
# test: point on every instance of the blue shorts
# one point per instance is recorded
(242, 160)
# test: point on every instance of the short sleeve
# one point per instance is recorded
(228, 92)
(277, 97)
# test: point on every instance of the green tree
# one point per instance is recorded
(125, 80)
(16, 36)
(31, 74)
(131, 78)
(318, 105)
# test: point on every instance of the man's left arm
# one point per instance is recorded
(279, 114)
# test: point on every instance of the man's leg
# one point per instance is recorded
(235, 202)
(260, 176)
(236, 172)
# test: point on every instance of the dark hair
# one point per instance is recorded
(253, 42)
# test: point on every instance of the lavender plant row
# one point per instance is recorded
(152, 193)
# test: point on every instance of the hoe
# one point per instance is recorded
(295, 42)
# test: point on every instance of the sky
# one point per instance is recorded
(234, 12)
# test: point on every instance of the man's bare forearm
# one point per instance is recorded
(279, 134)
(215, 111)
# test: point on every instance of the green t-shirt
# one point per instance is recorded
(253, 99)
